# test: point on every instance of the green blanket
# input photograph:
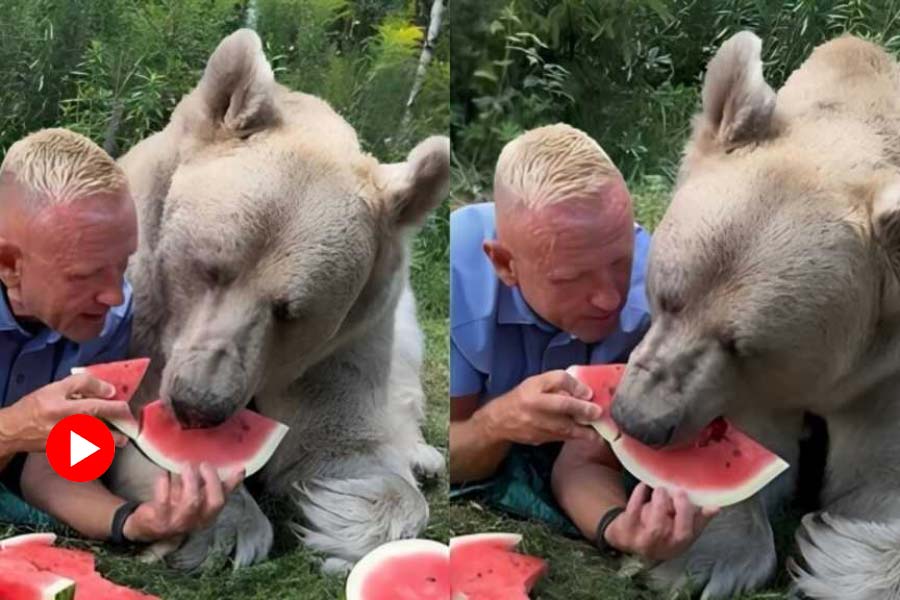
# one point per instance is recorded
(15, 511)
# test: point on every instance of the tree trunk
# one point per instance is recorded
(437, 12)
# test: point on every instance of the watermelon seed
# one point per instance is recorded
(736, 453)
(727, 465)
(124, 388)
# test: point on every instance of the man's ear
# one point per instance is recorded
(10, 260)
(501, 258)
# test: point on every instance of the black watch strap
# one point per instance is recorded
(600, 537)
(117, 533)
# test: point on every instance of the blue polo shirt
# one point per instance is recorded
(497, 340)
(30, 361)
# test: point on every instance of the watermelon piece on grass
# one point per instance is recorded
(402, 570)
(126, 376)
(723, 466)
(25, 584)
(245, 441)
(486, 567)
(474, 567)
(34, 559)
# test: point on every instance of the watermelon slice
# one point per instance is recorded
(68, 573)
(723, 466)
(474, 567)
(25, 584)
(245, 441)
(126, 376)
(402, 570)
(485, 567)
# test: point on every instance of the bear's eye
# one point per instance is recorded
(668, 304)
(281, 310)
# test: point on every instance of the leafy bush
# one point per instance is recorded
(627, 72)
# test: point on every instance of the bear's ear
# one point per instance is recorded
(886, 222)
(737, 101)
(414, 188)
(237, 89)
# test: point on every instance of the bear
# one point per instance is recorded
(774, 287)
(272, 273)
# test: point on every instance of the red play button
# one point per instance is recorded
(80, 448)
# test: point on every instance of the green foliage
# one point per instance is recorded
(628, 72)
(117, 68)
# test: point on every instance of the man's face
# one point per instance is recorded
(72, 261)
(572, 260)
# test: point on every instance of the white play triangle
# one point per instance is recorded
(79, 448)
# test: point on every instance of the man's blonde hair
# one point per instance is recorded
(551, 164)
(58, 166)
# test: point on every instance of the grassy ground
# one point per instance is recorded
(577, 570)
(293, 572)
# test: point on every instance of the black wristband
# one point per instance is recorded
(600, 537)
(117, 529)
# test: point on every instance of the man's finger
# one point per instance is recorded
(233, 480)
(580, 411)
(704, 516)
(213, 493)
(102, 409)
(685, 515)
(660, 503)
(161, 490)
(561, 381)
(632, 514)
(87, 386)
(120, 439)
(189, 502)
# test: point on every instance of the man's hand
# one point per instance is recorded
(25, 425)
(549, 407)
(181, 504)
(660, 529)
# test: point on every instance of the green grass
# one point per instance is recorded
(577, 570)
(293, 571)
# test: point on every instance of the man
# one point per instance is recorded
(67, 228)
(551, 275)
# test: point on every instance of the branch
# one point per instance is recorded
(437, 12)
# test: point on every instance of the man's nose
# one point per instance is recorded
(606, 298)
(112, 295)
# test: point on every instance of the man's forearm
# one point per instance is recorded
(474, 452)
(87, 507)
(8, 446)
(586, 490)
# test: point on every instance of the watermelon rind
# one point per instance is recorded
(503, 541)
(706, 497)
(62, 589)
(129, 428)
(372, 561)
(257, 462)
(45, 539)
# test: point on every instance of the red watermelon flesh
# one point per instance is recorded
(402, 570)
(94, 587)
(62, 561)
(246, 441)
(126, 376)
(25, 584)
(485, 567)
(722, 466)
(36, 555)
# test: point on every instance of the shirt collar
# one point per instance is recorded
(8, 322)
(514, 310)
